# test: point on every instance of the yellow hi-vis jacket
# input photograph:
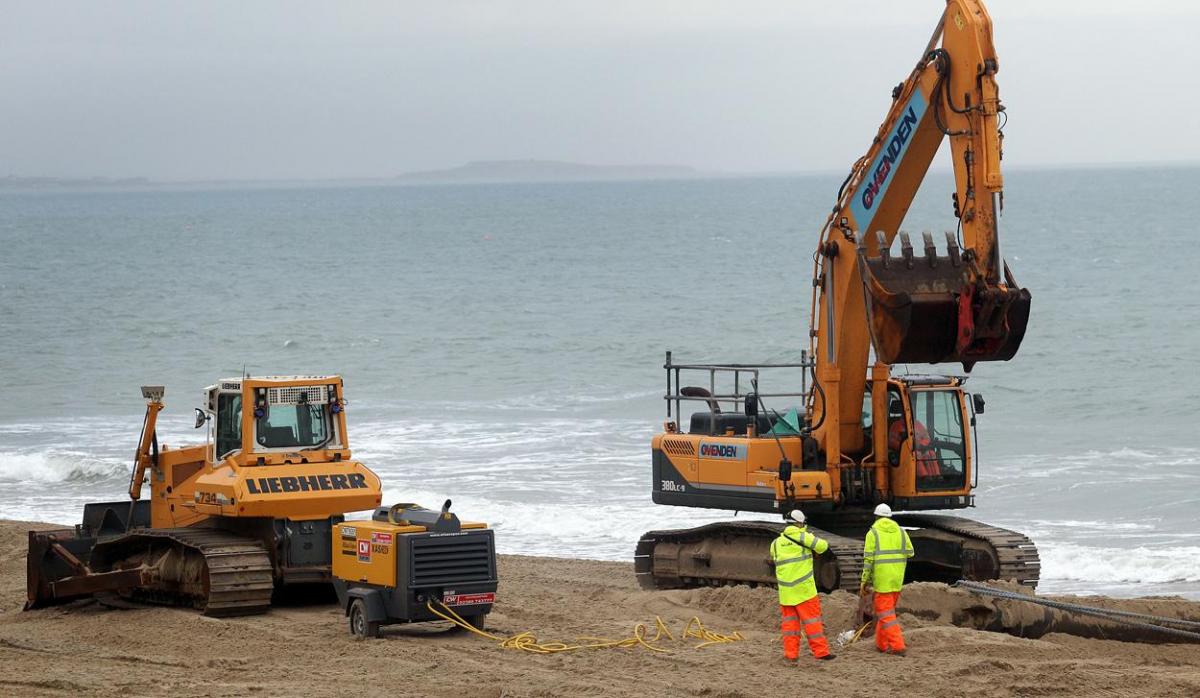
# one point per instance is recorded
(885, 555)
(792, 552)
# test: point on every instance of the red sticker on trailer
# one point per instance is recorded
(451, 599)
(381, 538)
(364, 551)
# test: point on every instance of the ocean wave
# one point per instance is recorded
(1140, 565)
(1124, 463)
(59, 465)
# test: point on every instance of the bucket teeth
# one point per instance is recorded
(952, 250)
(885, 250)
(906, 250)
(930, 250)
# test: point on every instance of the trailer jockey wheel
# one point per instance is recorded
(359, 625)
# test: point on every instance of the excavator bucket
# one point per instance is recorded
(927, 309)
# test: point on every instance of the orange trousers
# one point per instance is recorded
(808, 616)
(887, 624)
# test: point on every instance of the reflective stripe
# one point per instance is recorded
(795, 582)
(802, 558)
(791, 632)
(810, 621)
(816, 636)
(901, 551)
(886, 614)
(876, 537)
(889, 562)
(891, 623)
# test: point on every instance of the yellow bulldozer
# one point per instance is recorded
(228, 521)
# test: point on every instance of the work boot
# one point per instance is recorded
(827, 657)
(791, 661)
(899, 653)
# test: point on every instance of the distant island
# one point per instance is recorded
(546, 171)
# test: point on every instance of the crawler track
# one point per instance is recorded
(736, 552)
(220, 573)
(1016, 554)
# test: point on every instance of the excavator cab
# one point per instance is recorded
(935, 308)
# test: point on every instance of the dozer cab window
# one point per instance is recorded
(229, 423)
(294, 426)
(938, 442)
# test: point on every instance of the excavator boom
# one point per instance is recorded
(963, 306)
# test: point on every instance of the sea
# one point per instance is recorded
(502, 344)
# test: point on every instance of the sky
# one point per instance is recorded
(175, 90)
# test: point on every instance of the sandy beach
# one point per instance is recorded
(87, 648)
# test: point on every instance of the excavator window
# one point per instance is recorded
(229, 423)
(938, 441)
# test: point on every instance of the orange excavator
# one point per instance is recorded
(865, 434)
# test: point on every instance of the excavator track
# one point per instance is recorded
(219, 573)
(736, 552)
(1015, 554)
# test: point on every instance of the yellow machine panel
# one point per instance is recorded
(365, 551)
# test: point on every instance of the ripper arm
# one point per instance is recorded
(147, 450)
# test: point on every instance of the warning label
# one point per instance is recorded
(381, 538)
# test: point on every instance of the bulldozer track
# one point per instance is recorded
(844, 554)
(1016, 553)
(235, 577)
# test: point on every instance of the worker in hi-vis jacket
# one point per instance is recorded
(885, 555)
(793, 552)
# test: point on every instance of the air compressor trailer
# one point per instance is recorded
(406, 558)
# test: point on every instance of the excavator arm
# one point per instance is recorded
(963, 306)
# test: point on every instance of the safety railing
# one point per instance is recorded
(726, 384)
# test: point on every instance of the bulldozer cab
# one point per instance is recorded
(285, 415)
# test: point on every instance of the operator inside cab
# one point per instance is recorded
(937, 440)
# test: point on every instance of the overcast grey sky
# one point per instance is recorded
(200, 90)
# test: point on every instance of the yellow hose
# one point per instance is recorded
(528, 642)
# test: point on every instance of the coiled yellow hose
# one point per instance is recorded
(526, 641)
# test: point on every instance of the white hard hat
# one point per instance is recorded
(883, 510)
(795, 515)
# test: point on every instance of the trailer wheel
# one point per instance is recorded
(359, 625)
(476, 621)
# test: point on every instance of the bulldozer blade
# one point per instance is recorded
(928, 310)
(54, 557)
